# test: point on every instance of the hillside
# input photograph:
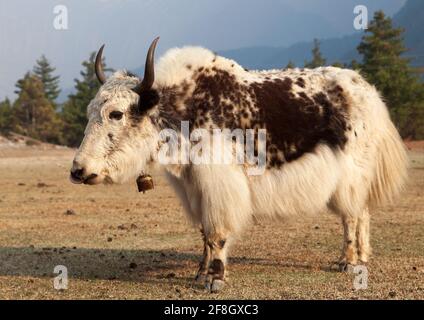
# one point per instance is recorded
(410, 17)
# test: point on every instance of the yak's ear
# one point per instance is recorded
(148, 99)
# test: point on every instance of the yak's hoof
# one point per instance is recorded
(200, 278)
(215, 286)
(346, 267)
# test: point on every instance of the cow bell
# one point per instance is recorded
(144, 183)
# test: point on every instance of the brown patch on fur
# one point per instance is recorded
(300, 82)
(208, 95)
(147, 100)
(295, 123)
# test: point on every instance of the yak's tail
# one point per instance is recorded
(391, 167)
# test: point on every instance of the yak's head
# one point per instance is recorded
(120, 137)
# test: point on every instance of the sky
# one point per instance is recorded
(128, 26)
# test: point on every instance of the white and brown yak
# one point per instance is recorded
(330, 144)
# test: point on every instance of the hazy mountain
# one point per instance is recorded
(337, 49)
(410, 17)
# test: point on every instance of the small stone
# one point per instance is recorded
(133, 265)
(392, 294)
(170, 275)
(109, 239)
(70, 212)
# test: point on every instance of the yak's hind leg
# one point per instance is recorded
(350, 252)
(356, 240)
(356, 237)
(351, 231)
(363, 236)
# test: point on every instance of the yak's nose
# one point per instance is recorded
(77, 175)
(80, 174)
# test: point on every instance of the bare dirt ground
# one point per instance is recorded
(120, 244)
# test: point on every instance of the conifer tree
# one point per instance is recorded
(44, 71)
(317, 58)
(5, 116)
(75, 109)
(290, 65)
(33, 114)
(384, 66)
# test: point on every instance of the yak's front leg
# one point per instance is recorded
(204, 264)
(217, 244)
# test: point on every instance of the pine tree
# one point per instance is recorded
(317, 58)
(384, 66)
(75, 109)
(290, 65)
(5, 116)
(33, 114)
(338, 64)
(44, 71)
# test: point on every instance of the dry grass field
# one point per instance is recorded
(121, 244)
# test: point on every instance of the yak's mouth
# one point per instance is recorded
(91, 179)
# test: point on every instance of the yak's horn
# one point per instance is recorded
(98, 66)
(149, 70)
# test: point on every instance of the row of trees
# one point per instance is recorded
(36, 113)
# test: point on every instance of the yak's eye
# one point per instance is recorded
(116, 115)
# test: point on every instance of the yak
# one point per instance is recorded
(330, 145)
